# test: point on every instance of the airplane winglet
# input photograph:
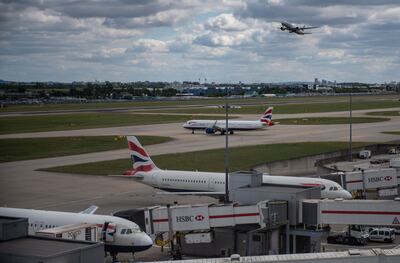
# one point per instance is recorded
(90, 210)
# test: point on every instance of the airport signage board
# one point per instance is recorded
(190, 218)
(371, 179)
(184, 218)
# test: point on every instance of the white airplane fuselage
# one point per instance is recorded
(232, 125)
(180, 181)
(135, 241)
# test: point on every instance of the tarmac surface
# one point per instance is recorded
(22, 186)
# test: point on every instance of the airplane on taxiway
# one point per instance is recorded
(295, 29)
(210, 183)
(213, 126)
(118, 234)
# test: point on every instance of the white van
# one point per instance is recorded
(365, 154)
(382, 234)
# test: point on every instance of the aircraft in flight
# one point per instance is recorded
(118, 234)
(213, 126)
(295, 29)
(210, 183)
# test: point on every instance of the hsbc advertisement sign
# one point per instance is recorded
(372, 179)
(379, 179)
(195, 218)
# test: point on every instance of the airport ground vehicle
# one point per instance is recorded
(382, 235)
(344, 238)
(366, 154)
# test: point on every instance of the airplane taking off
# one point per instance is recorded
(213, 126)
(295, 29)
(208, 183)
(118, 234)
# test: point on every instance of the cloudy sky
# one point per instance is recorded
(221, 41)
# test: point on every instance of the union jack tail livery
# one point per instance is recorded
(267, 116)
(140, 159)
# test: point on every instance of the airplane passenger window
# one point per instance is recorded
(128, 231)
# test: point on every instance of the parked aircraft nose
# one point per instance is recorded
(346, 194)
(143, 242)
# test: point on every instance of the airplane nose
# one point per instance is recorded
(144, 240)
(347, 194)
(148, 242)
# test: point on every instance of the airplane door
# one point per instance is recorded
(211, 184)
(154, 179)
(109, 230)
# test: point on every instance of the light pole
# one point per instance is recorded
(226, 155)
(351, 129)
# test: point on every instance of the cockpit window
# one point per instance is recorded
(323, 187)
(123, 231)
(335, 188)
(129, 231)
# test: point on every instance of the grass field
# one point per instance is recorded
(240, 158)
(41, 123)
(33, 148)
(384, 113)
(328, 120)
(135, 104)
(294, 108)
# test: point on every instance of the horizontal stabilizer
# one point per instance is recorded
(126, 176)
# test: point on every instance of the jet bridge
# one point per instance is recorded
(185, 218)
(351, 212)
(219, 229)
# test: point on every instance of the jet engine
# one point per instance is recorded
(210, 130)
(282, 28)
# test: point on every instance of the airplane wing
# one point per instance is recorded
(306, 33)
(90, 210)
(311, 27)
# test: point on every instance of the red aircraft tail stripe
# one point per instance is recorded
(135, 148)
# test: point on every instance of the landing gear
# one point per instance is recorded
(114, 256)
(192, 131)
(230, 132)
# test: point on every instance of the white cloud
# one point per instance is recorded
(333, 53)
(225, 22)
(149, 45)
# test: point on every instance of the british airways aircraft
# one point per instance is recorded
(208, 183)
(213, 126)
(295, 29)
(118, 234)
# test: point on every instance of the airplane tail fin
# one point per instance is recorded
(141, 160)
(267, 116)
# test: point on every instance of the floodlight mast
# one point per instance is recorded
(226, 155)
(351, 129)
